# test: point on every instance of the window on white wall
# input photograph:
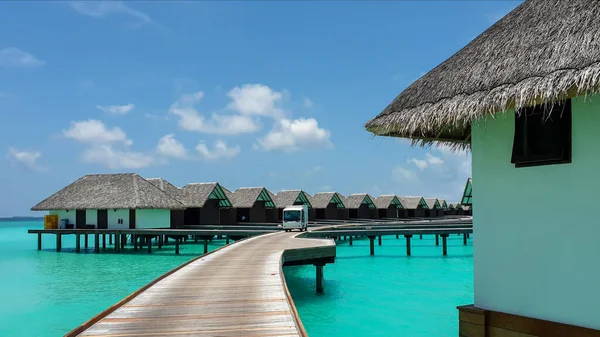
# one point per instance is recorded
(542, 135)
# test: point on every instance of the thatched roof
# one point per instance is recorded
(287, 198)
(321, 200)
(246, 197)
(443, 204)
(432, 203)
(197, 194)
(413, 202)
(542, 51)
(109, 191)
(165, 186)
(385, 201)
(353, 201)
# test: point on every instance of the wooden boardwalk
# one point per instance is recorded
(238, 290)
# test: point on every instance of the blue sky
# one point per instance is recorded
(270, 94)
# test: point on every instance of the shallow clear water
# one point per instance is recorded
(44, 293)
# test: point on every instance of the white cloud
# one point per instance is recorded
(403, 175)
(169, 146)
(421, 164)
(191, 120)
(25, 158)
(308, 103)
(433, 160)
(102, 9)
(293, 135)
(256, 99)
(15, 57)
(94, 131)
(116, 109)
(108, 157)
(220, 150)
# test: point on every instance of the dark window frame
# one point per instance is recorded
(526, 122)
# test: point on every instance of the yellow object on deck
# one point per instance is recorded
(51, 221)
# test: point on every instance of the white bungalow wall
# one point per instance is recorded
(115, 215)
(65, 214)
(538, 260)
(152, 218)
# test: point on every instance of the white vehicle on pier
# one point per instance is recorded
(295, 217)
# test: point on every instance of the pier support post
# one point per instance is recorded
(437, 240)
(149, 245)
(397, 236)
(372, 244)
(117, 243)
(58, 242)
(166, 242)
(160, 241)
(380, 240)
(134, 238)
(103, 241)
(110, 239)
(350, 240)
(177, 246)
(123, 240)
(205, 246)
(408, 237)
(86, 240)
(227, 240)
(196, 239)
(465, 239)
(468, 235)
(420, 236)
(444, 244)
(319, 267)
(39, 241)
(77, 243)
(97, 243)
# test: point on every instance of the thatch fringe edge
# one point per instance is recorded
(457, 113)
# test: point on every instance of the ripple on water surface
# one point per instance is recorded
(46, 294)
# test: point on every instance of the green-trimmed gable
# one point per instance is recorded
(218, 194)
(423, 204)
(303, 199)
(396, 202)
(467, 198)
(335, 199)
(367, 200)
(264, 196)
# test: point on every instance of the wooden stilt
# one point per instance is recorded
(444, 244)
(227, 240)
(177, 246)
(123, 240)
(437, 240)
(97, 243)
(319, 275)
(196, 239)
(110, 239)
(149, 245)
(421, 236)
(372, 244)
(58, 242)
(350, 240)
(117, 243)
(465, 239)
(205, 246)
(39, 241)
(380, 240)
(160, 241)
(77, 243)
(103, 241)
(86, 240)
(397, 236)
(408, 237)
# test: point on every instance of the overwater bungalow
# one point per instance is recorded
(361, 206)
(249, 204)
(434, 209)
(123, 200)
(204, 202)
(416, 207)
(177, 216)
(459, 209)
(451, 210)
(524, 96)
(467, 197)
(293, 197)
(444, 206)
(328, 205)
(389, 206)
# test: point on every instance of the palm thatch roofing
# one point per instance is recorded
(323, 199)
(109, 191)
(433, 203)
(467, 198)
(385, 201)
(195, 195)
(246, 197)
(541, 52)
(450, 206)
(443, 204)
(458, 206)
(165, 186)
(353, 201)
(287, 198)
(413, 202)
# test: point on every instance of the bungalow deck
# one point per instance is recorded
(247, 296)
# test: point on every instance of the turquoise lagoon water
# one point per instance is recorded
(44, 293)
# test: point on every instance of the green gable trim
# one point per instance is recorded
(437, 204)
(467, 199)
(423, 204)
(336, 200)
(264, 196)
(445, 205)
(367, 200)
(218, 194)
(302, 198)
(397, 203)
(451, 207)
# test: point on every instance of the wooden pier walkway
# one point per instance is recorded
(237, 290)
